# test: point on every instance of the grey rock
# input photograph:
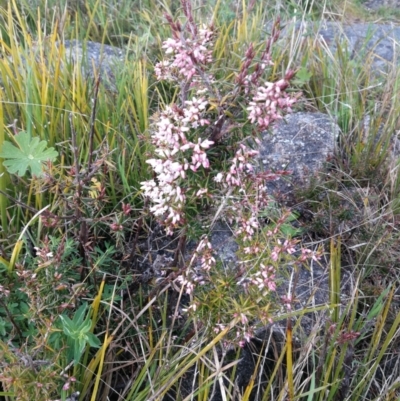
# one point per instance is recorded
(95, 58)
(362, 40)
(224, 243)
(383, 43)
(300, 143)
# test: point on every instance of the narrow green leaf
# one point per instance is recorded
(80, 315)
(68, 325)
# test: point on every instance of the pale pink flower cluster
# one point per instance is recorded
(189, 52)
(252, 79)
(175, 156)
(200, 264)
(67, 384)
(4, 291)
(186, 283)
(253, 249)
(241, 174)
(244, 333)
(219, 327)
(238, 176)
(247, 226)
(269, 103)
(288, 301)
(307, 254)
(187, 56)
(204, 254)
(43, 254)
(288, 247)
(240, 166)
(241, 170)
(264, 279)
(175, 153)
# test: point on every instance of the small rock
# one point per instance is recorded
(300, 143)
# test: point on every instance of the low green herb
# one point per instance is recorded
(78, 332)
(30, 153)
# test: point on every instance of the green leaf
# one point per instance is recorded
(289, 231)
(80, 314)
(68, 325)
(93, 340)
(378, 305)
(302, 77)
(56, 339)
(293, 216)
(2, 327)
(29, 154)
(273, 213)
(86, 325)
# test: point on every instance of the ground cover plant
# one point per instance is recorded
(110, 288)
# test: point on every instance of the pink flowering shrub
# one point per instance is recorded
(185, 132)
(208, 116)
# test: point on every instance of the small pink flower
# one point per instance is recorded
(161, 70)
(188, 285)
(116, 227)
(287, 300)
(201, 192)
(265, 278)
(243, 317)
(289, 247)
(275, 253)
(206, 144)
(126, 209)
(309, 254)
(219, 177)
(219, 327)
